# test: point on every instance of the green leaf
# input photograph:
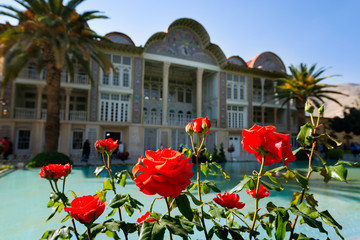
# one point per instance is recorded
(308, 220)
(350, 164)
(303, 181)
(241, 185)
(297, 150)
(208, 154)
(113, 225)
(217, 212)
(223, 173)
(174, 226)
(323, 162)
(329, 220)
(73, 193)
(65, 218)
(204, 167)
(205, 189)
(211, 185)
(108, 185)
(271, 186)
(117, 201)
(98, 170)
(274, 179)
(309, 211)
(288, 176)
(112, 235)
(304, 134)
(53, 212)
(121, 178)
(309, 198)
(129, 209)
(183, 204)
(324, 139)
(151, 231)
(194, 199)
(338, 172)
(275, 170)
(295, 199)
(186, 152)
(112, 213)
(280, 226)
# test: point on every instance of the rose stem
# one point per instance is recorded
(256, 196)
(75, 231)
(168, 208)
(198, 183)
(89, 234)
(308, 174)
(107, 166)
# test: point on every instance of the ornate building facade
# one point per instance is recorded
(153, 93)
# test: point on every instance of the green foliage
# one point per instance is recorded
(222, 157)
(45, 158)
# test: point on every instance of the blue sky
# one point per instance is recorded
(323, 32)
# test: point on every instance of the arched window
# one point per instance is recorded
(180, 117)
(105, 79)
(188, 116)
(153, 116)
(171, 117)
(116, 77)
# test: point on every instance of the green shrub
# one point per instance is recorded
(335, 154)
(45, 158)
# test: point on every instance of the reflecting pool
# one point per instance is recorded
(24, 196)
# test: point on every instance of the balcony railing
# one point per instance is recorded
(30, 113)
(78, 115)
(29, 73)
(25, 113)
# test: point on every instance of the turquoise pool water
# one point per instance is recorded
(24, 196)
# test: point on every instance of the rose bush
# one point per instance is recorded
(55, 171)
(86, 209)
(165, 172)
(168, 173)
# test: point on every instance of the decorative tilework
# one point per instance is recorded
(94, 92)
(268, 62)
(137, 96)
(182, 43)
(222, 99)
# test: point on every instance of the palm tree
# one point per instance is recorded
(304, 84)
(55, 36)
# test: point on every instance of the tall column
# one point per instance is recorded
(39, 90)
(262, 89)
(165, 91)
(67, 102)
(199, 75)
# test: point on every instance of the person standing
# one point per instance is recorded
(86, 151)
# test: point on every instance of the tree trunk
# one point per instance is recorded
(300, 107)
(52, 128)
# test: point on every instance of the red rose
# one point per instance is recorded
(263, 192)
(229, 200)
(165, 172)
(55, 171)
(146, 218)
(201, 125)
(107, 145)
(275, 146)
(86, 209)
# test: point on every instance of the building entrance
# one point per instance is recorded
(235, 141)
